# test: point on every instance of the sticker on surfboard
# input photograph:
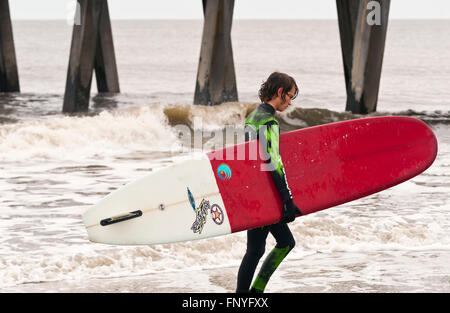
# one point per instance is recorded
(191, 199)
(224, 171)
(217, 214)
(200, 217)
(201, 213)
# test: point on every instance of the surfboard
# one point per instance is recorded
(229, 190)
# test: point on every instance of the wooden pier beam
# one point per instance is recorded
(9, 75)
(363, 27)
(216, 78)
(92, 48)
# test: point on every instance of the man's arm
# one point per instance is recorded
(271, 139)
(271, 136)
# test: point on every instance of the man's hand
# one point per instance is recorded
(289, 211)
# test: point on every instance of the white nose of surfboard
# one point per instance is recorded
(178, 203)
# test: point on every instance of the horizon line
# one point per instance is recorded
(242, 19)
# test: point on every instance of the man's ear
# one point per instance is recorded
(279, 91)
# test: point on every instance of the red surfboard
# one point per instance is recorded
(325, 166)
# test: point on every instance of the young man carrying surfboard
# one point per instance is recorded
(276, 94)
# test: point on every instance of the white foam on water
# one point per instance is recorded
(100, 261)
(74, 137)
(336, 230)
(43, 238)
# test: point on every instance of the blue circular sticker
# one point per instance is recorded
(224, 171)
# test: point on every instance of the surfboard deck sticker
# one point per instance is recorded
(325, 165)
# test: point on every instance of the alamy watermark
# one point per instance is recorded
(374, 13)
(73, 10)
(239, 144)
(73, 13)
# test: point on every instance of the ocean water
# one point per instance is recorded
(53, 166)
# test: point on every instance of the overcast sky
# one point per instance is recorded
(243, 9)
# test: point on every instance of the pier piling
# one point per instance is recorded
(92, 48)
(105, 59)
(363, 28)
(9, 75)
(216, 78)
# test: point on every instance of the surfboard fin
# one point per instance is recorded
(120, 218)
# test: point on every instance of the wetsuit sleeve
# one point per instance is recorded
(271, 135)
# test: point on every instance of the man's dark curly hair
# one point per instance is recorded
(276, 80)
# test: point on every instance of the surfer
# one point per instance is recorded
(276, 94)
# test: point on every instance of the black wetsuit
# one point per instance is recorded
(261, 124)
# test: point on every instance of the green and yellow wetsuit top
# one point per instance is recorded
(261, 124)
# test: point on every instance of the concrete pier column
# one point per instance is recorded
(105, 58)
(92, 47)
(216, 78)
(363, 27)
(9, 75)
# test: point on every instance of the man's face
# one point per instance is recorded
(283, 104)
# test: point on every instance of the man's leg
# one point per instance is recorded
(285, 243)
(256, 244)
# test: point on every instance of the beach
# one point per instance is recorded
(54, 165)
